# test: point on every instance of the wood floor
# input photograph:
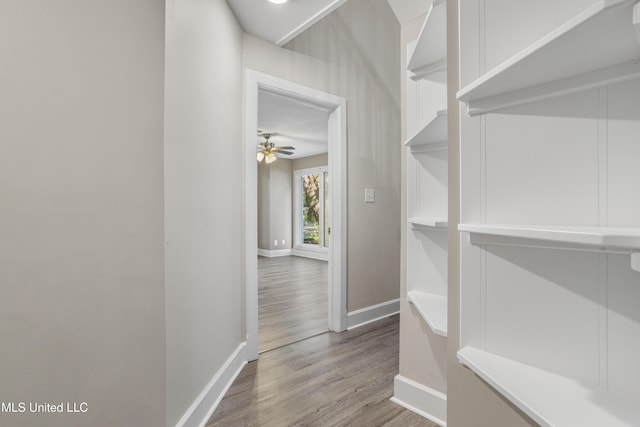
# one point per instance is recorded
(292, 300)
(328, 380)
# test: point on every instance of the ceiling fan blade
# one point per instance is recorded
(288, 153)
(286, 147)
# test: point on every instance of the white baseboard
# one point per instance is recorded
(371, 314)
(275, 253)
(322, 256)
(418, 398)
(202, 408)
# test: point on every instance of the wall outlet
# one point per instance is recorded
(275, 243)
(369, 195)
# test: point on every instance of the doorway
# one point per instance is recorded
(256, 83)
(292, 156)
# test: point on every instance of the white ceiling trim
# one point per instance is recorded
(280, 23)
(309, 22)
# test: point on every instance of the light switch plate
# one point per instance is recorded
(369, 195)
(636, 19)
(635, 261)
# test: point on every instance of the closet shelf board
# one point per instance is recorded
(595, 239)
(599, 237)
(428, 223)
(434, 132)
(432, 308)
(429, 58)
(595, 48)
(550, 399)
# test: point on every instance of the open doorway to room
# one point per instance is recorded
(330, 250)
(293, 220)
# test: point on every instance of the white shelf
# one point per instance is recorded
(551, 399)
(599, 239)
(602, 238)
(429, 58)
(595, 48)
(429, 223)
(432, 308)
(432, 136)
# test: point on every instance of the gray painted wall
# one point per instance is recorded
(275, 200)
(275, 191)
(353, 53)
(81, 218)
(310, 162)
(203, 196)
(264, 213)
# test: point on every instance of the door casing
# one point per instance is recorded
(337, 152)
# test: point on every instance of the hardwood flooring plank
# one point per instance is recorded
(329, 380)
(292, 300)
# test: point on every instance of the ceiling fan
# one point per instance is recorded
(267, 150)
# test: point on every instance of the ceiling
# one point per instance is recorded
(408, 10)
(280, 23)
(293, 122)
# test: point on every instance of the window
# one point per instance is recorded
(311, 208)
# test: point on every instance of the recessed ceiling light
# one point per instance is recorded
(278, 1)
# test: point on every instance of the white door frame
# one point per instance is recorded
(337, 142)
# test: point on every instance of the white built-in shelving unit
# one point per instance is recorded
(550, 213)
(427, 172)
(426, 238)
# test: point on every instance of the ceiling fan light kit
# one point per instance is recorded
(267, 150)
(270, 158)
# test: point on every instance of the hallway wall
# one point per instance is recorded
(353, 52)
(203, 196)
(81, 222)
